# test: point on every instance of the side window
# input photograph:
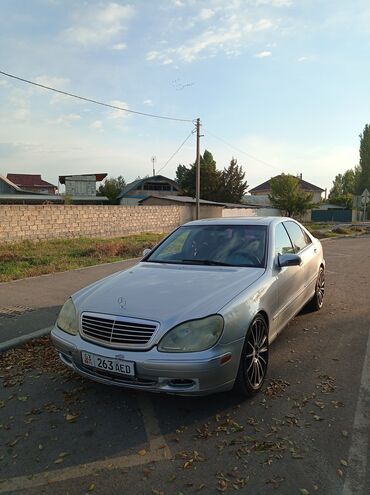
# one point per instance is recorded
(282, 241)
(298, 237)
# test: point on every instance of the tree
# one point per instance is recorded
(364, 166)
(111, 188)
(344, 186)
(287, 196)
(215, 185)
(210, 178)
(233, 185)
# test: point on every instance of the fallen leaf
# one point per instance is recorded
(71, 417)
(304, 491)
(345, 433)
(142, 452)
(59, 460)
(344, 462)
(91, 487)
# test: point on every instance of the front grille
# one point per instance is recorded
(116, 331)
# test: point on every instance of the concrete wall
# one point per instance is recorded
(250, 212)
(31, 222)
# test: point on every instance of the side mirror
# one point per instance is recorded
(289, 260)
(146, 252)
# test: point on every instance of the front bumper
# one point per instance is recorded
(199, 373)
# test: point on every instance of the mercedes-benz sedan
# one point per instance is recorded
(197, 314)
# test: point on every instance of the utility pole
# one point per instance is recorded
(197, 176)
(153, 160)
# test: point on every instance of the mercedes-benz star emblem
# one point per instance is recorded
(122, 302)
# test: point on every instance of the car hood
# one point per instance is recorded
(166, 293)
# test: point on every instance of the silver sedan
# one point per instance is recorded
(197, 314)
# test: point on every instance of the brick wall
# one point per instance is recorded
(31, 222)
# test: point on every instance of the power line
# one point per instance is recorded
(72, 95)
(244, 152)
(178, 149)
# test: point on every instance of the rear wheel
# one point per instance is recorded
(317, 301)
(254, 359)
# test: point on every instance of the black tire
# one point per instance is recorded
(254, 359)
(317, 300)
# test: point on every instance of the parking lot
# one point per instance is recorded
(306, 432)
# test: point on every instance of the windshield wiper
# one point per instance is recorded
(205, 262)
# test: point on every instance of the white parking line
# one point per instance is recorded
(357, 459)
(158, 451)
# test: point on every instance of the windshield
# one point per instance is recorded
(219, 245)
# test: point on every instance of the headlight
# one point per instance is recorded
(67, 319)
(194, 335)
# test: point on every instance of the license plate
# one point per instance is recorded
(107, 364)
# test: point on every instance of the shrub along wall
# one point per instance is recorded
(29, 222)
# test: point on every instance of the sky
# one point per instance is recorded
(280, 85)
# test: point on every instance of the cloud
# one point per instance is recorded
(21, 114)
(118, 114)
(67, 120)
(232, 29)
(206, 14)
(99, 25)
(274, 3)
(97, 125)
(148, 102)
(263, 54)
(119, 46)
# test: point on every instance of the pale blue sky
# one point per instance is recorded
(286, 81)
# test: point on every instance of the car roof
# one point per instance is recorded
(238, 221)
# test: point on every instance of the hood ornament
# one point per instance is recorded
(122, 302)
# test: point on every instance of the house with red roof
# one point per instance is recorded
(32, 183)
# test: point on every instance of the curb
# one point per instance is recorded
(23, 339)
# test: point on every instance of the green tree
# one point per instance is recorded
(287, 196)
(210, 178)
(233, 185)
(344, 186)
(364, 166)
(111, 188)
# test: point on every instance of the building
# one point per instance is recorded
(32, 183)
(140, 189)
(264, 189)
(10, 193)
(82, 185)
(81, 189)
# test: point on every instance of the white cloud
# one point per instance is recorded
(97, 125)
(148, 102)
(119, 46)
(3, 83)
(52, 81)
(118, 114)
(274, 3)
(21, 114)
(263, 54)
(67, 120)
(99, 25)
(206, 14)
(232, 29)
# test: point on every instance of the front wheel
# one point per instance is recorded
(254, 359)
(317, 301)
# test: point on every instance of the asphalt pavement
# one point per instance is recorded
(31, 304)
(307, 432)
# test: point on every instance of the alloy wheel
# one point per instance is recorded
(257, 352)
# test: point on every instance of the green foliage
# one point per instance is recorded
(344, 186)
(111, 188)
(364, 166)
(233, 185)
(215, 185)
(287, 196)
